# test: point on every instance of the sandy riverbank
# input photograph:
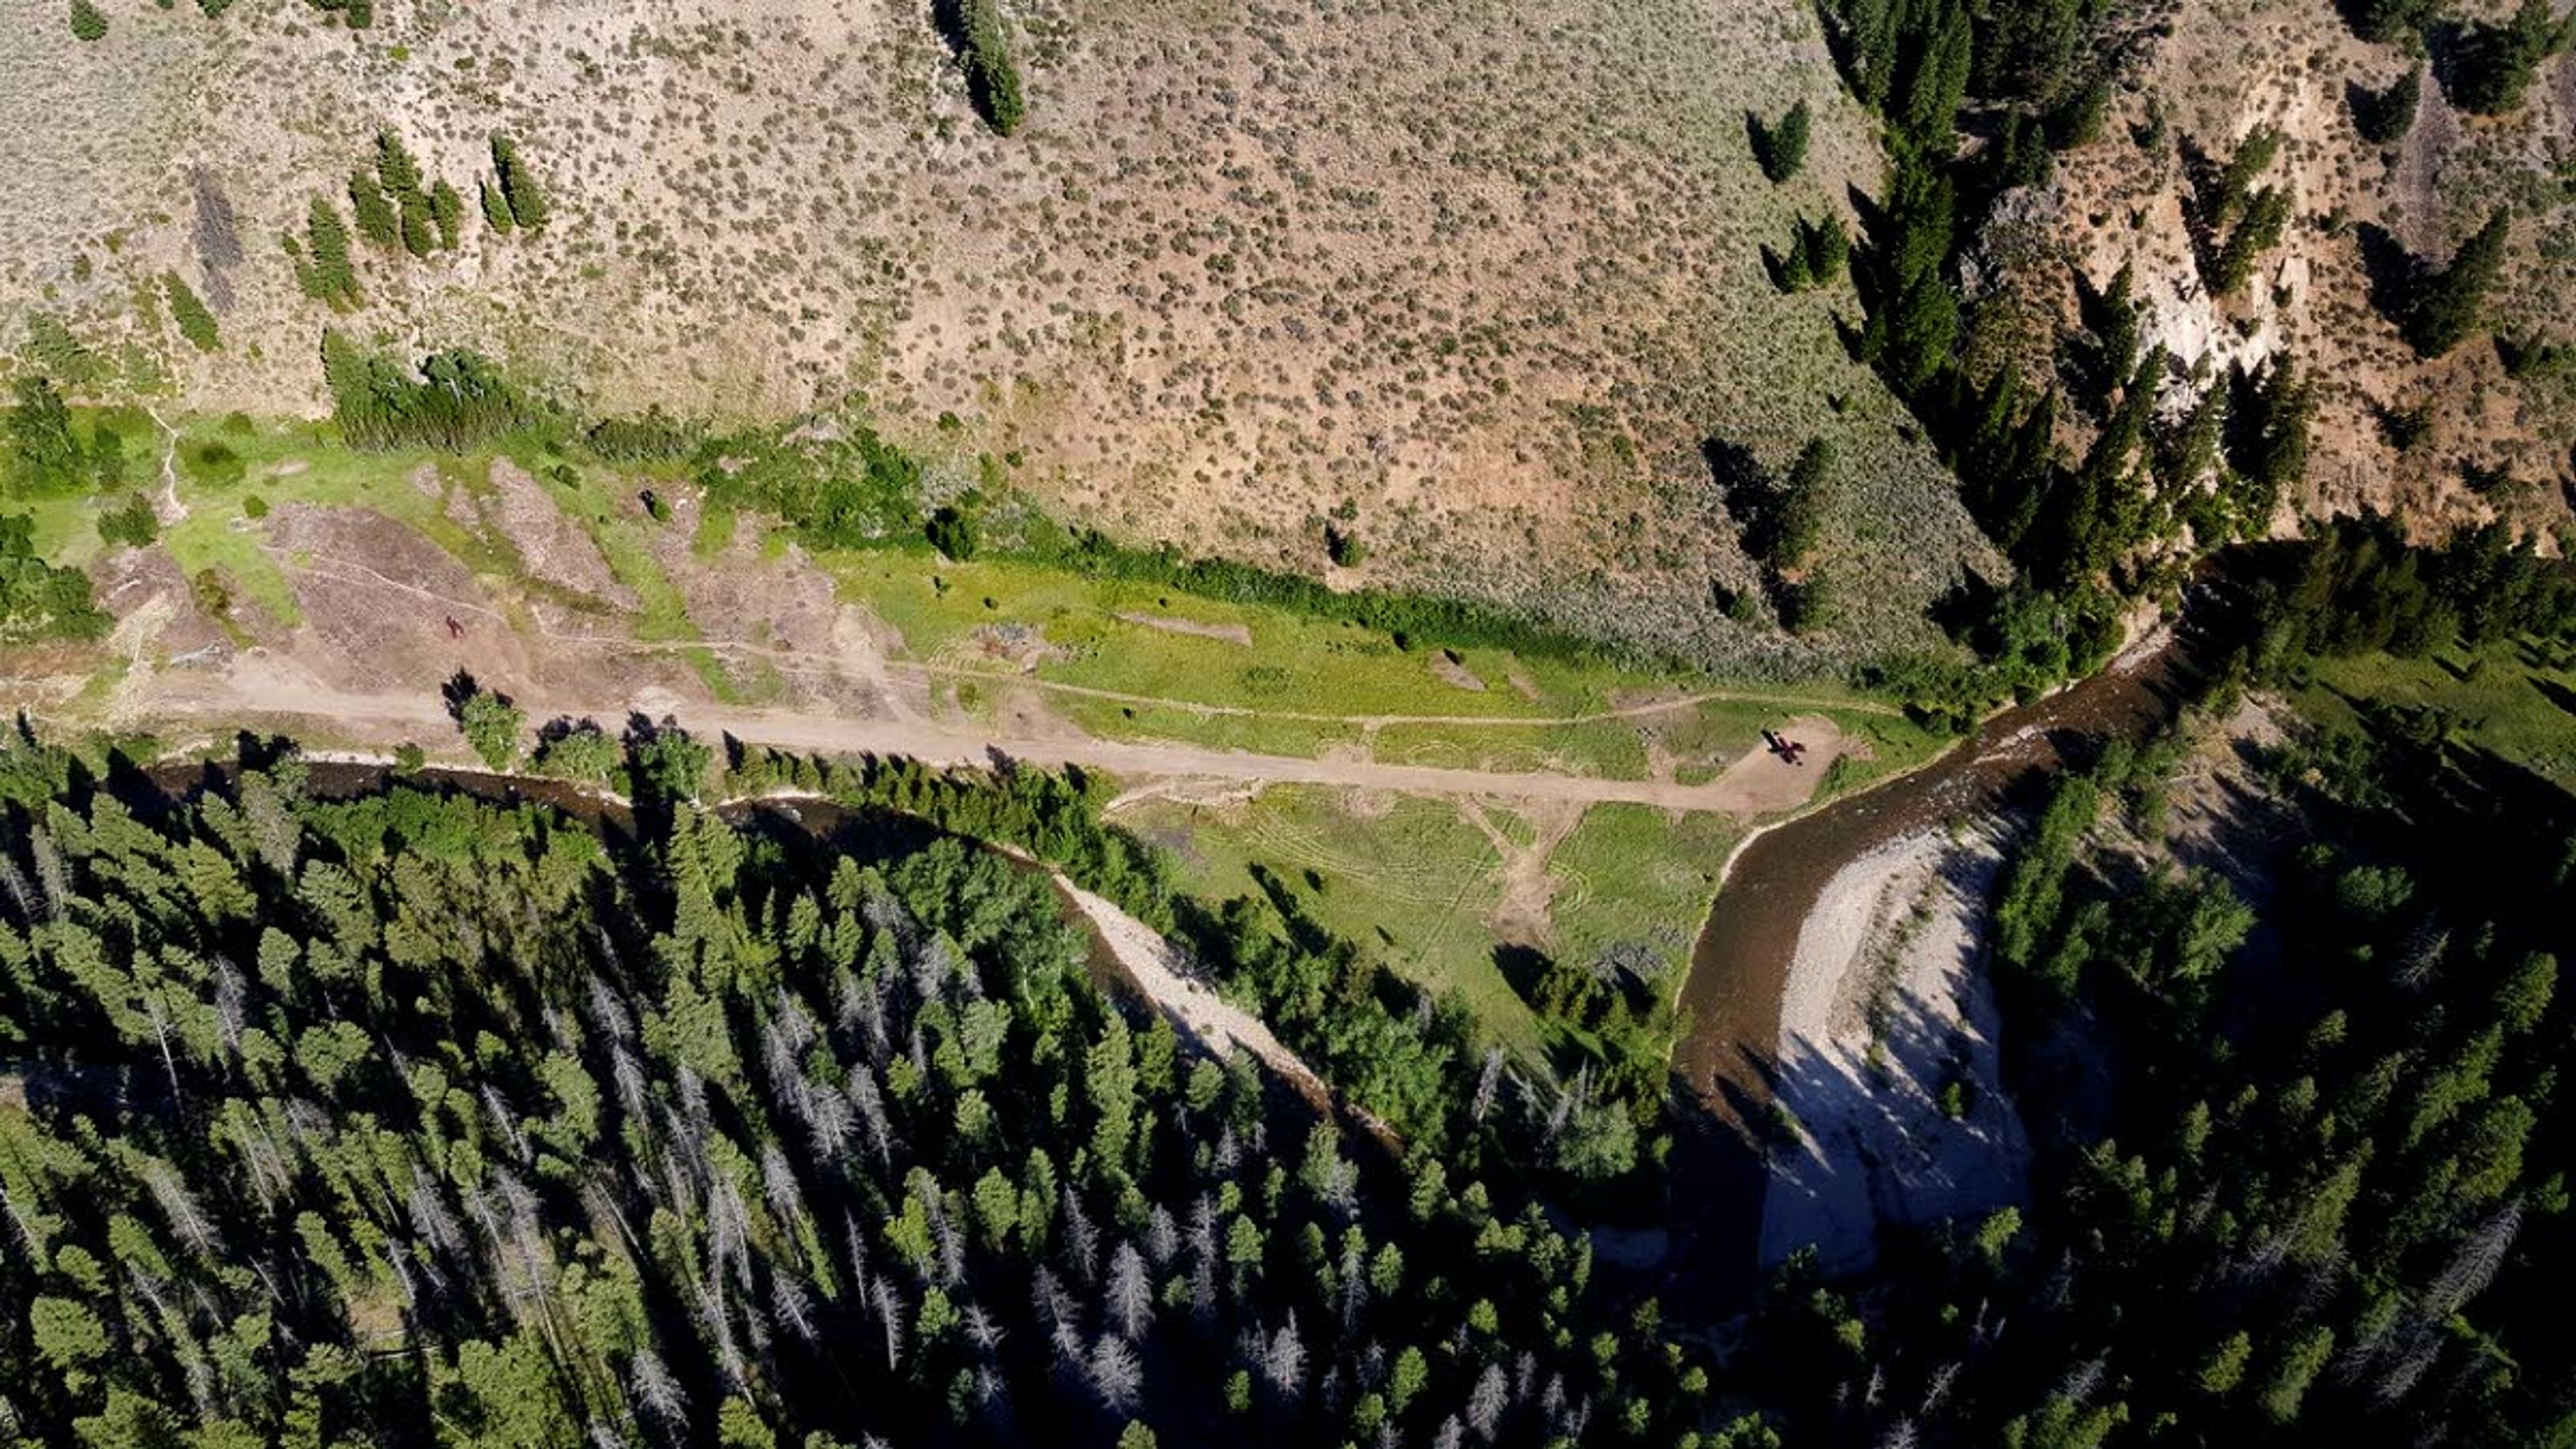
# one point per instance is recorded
(1885, 1006)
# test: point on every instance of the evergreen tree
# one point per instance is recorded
(496, 209)
(1827, 250)
(992, 72)
(447, 209)
(87, 22)
(378, 222)
(325, 269)
(2450, 304)
(187, 309)
(527, 200)
(419, 226)
(2384, 117)
(2266, 218)
(1806, 499)
(1781, 148)
(2390, 22)
(395, 167)
(2492, 66)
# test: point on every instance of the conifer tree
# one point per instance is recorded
(2384, 117)
(328, 274)
(992, 71)
(447, 209)
(189, 310)
(2451, 303)
(378, 221)
(527, 199)
(1781, 147)
(496, 209)
(2492, 66)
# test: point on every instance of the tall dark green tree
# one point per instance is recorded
(528, 207)
(1780, 147)
(2450, 304)
(2384, 117)
(2492, 66)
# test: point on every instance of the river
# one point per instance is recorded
(1740, 964)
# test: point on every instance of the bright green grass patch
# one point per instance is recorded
(1294, 662)
(1632, 875)
(716, 526)
(1610, 749)
(1254, 734)
(2514, 700)
(1410, 880)
(1417, 884)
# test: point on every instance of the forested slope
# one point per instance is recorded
(2304, 1164)
(411, 1118)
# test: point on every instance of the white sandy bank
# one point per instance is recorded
(1891, 955)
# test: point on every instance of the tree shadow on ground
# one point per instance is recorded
(2392, 272)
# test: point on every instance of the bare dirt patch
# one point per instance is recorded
(1762, 782)
(1230, 633)
(1451, 672)
(1528, 887)
(555, 549)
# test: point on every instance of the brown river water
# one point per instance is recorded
(1740, 964)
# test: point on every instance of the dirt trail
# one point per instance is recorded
(1209, 1019)
(260, 685)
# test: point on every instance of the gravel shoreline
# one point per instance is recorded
(1886, 1004)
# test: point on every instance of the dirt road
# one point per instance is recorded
(261, 687)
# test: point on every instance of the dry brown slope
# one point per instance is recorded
(1488, 269)
(2291, 64)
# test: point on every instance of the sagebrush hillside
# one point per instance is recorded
(1486, 278)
